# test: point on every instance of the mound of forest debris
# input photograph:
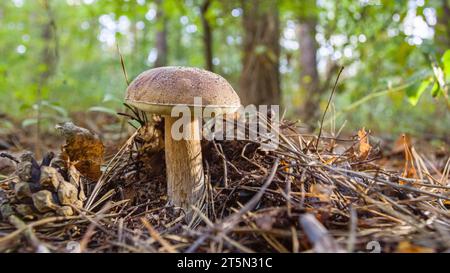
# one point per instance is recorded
(310, 194)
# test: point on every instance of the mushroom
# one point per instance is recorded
(160, 89)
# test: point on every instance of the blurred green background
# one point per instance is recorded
(61, 56)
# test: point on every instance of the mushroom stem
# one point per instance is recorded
(184, 167)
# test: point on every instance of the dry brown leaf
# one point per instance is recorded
(409, 170)
(408, 247)
(83, 149)
(320, 191)
(399, 144)
(285, 164)
(364, 146)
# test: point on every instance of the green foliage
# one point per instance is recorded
(103, 109)
(415, 91)
(436, 84)
(367, 37)
(446, 65)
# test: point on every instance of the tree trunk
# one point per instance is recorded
(309, 76)
(49, 54)
(207, 36)
(161, 36)
(260, 78)
(443, 27)
(49, 60)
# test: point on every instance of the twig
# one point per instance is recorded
(29, 234)
(6, 239)
(11, 157)
(122, 64)
(328, 105)
(155, 235)
(233, 219)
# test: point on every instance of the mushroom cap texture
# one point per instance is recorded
(159, 89)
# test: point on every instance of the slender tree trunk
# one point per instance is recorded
(309, 76)
(260, 77)
(207, 36)
(161, 36)
(443, 27)
(49, 60)
(49, 55)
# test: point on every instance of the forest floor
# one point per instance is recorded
(358, 193)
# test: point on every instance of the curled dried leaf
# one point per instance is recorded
(364, 146)
(83, 149)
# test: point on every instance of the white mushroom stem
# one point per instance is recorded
(184, 167)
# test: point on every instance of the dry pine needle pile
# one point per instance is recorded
(298, 198)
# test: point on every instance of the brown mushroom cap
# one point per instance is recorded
(158, 90)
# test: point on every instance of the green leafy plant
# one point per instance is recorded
(437, 83)
(50, 114)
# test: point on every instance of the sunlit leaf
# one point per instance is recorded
(414, 93)
(446, 65)
(436, 90)
(260, 49)
(110, 97)
(134, 123)
(60, 110)
(439, 75)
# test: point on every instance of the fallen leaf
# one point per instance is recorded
(408, 247)
(399, 144)
(409, 169)
(320, 191)
(364, 146)
(285, 164)
(83, 149)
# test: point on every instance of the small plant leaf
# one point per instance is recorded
(415, 92)
(103, 110)
(60, 110)
(28, 122)
(435, 90)
(110, 97)
(446, 65)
